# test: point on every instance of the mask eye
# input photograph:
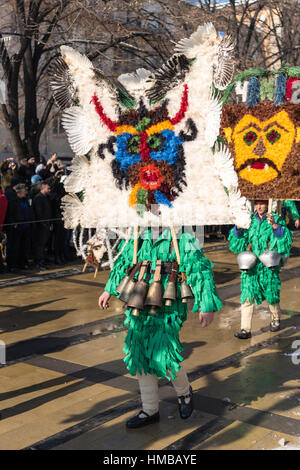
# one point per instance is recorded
(250, 138)
(273, 136)
(133, 144)
(155, 142)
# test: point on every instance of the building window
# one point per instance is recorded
(57, 128)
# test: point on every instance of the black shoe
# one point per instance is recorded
(41, 267)
(12, 270)
(24, 266)
(186, 409)
(243, 334)
(275, 326)
(138, 421)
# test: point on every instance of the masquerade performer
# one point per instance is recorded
(261, 281)
(144, 159)
(290, 213)
(261, 125)
(152, 345)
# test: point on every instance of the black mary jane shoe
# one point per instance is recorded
(186, 409)
(139, 421)
(274, 326)
(243, 334)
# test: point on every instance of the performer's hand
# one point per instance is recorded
(206, 318)
(103, 300)
(297, 223)
(271, 221)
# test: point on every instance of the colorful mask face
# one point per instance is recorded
(263, 141)
(149, 156)
(261, 147)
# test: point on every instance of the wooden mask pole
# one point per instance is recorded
(135, 244)
(175, 243)
(279, 207)
(270, 205)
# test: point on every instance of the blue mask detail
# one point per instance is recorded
(123, 157)
(169, 152)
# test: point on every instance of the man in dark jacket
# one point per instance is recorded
(10, 191)
(57, 193)
(19, 218)
(27, 170)
(43, 216)
(8, 170)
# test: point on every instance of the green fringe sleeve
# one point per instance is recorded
(282, 245)
(199, 275)
(237, 245)
(292, 210)
(120, 267)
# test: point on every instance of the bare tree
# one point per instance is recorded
(266, 31)
(29, 26)
(119, 36)
(31, 33)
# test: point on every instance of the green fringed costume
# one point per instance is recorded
(261, 283)
(152, 344)
(289, 210)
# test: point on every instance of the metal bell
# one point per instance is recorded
(122, 284)
(154, 298)
(127, 290)
(138, 295)
(271, 259)
(186, 292)
(170, 293)
(135, 312)
(246, 260)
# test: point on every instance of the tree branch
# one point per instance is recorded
(45, 116)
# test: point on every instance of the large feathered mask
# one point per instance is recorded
(143, 145)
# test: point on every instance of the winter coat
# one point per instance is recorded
(7, 174)
(3, 208)
(19, 213)
(26, 171)
(42, 208)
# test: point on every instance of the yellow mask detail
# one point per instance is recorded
(261, 147)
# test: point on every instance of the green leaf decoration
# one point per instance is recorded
(142, 124)
(125, 100)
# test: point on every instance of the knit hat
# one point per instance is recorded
(260, 201)
(39, 168)
(14, 182)
(35, 179)
(20, 186)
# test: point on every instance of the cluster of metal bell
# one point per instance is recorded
(138, 294)
(271, 259)
(247, 259)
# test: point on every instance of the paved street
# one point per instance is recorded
(65, 385)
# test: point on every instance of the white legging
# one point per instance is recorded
(247, 310)
(149, 389)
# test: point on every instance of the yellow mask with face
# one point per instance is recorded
(261, 147)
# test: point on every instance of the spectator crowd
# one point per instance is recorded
(31, 225)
